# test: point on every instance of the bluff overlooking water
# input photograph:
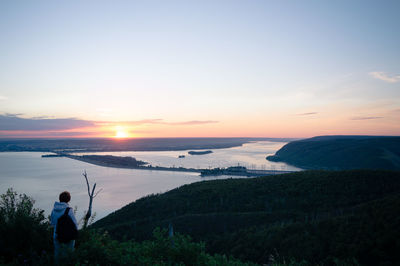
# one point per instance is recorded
(341, 152)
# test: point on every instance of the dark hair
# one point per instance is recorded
(65, 197)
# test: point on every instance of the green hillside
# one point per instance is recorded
(318, 216)
(342, 152)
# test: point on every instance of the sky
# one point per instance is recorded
(199, 68)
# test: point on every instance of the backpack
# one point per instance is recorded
(66, 228)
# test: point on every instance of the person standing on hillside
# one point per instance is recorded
(62, 216)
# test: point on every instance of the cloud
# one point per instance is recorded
(366, 117)
(158, 121)
(384, 77)
(13, 122)
(131, 123)
(310, 113)
(42, 117)
(13, 115)
(3, 98)
(41, 134)
(191, 123)
(146, 121)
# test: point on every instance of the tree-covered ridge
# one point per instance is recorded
(367, 234)
(342, 152)
(311, 215)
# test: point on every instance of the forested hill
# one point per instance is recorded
(318, 216)
(342, 152)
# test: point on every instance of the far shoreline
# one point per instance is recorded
(125, 145)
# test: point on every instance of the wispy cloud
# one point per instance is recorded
(105, 112)
(309, 113)
(158, 121)
(384, 77)
(3, 98)
(46, 134)
(43, 117)
(15, 122)
(366, 117)
(146, 121)
(191, 123)
(131, 123)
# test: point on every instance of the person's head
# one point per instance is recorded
(65, 197)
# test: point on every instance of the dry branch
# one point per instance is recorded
(91, 197)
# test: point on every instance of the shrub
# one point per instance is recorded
(25, 232)
(94, 248)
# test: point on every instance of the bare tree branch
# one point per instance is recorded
(91, 197)
(87, 182)
(97, 192)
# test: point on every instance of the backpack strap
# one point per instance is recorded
(66, 211)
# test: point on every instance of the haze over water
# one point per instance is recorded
(251, 155)
(45, 178)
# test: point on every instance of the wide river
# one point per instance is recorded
(44, 178)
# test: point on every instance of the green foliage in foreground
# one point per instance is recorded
(26, 239)
(24, 231)
(99, 249)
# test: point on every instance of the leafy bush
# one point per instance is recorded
(94, 248)
(25, 232)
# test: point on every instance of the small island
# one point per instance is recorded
(53, 155)
(110, 160)
(121, 162)
(240, 171)
(199, 152)
(233, 170)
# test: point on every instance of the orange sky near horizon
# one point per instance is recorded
(289, 126)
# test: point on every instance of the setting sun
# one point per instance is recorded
(120, 133)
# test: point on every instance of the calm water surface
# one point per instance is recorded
(251, 155)
(44, 178)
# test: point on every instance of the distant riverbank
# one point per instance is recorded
(133, 144)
